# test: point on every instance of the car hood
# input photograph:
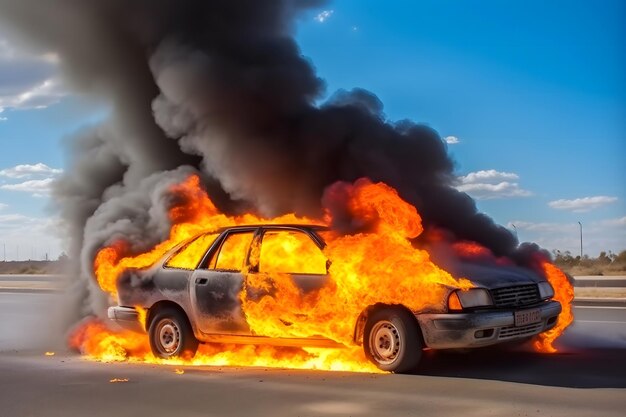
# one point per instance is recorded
(492, 277)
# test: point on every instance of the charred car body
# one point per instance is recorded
(202, 303)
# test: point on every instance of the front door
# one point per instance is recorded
(216, 287)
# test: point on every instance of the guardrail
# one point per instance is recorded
(600, 281)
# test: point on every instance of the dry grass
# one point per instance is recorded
(590, 292)
(32, 267)
(594, 270)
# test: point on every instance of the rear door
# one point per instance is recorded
(287, 253)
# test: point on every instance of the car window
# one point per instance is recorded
(232, 252)
(290, 252)
(189, 255)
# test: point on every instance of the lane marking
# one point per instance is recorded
(600, 321)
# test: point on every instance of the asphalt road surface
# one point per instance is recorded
(588, 377)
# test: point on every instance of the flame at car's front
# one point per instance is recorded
(563, 293)
(379, 264)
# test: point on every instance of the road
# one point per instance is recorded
(588, 377)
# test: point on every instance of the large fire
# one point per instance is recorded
(378, 265)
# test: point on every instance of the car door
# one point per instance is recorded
(217, 283)
(287, 253)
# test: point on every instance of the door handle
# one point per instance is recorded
(202, 281)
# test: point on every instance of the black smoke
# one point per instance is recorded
(220, 87)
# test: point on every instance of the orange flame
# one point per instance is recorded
(473, 250)
(114, 380)
(367, 268)
(97, 341)
(563, 293)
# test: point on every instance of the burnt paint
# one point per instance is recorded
(216, 301)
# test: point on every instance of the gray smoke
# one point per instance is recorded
(220, 87)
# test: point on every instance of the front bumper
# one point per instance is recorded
(467, 330)
(127, 317)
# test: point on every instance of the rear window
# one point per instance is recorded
(291, 252)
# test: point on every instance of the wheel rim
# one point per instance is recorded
(168, 336)
(385, 342)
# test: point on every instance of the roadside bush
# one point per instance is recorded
(605, 264)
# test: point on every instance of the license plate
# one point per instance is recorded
(524, 317)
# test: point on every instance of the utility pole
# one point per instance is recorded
(581, 239)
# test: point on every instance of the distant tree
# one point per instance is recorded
(621, 258)
(603, 259)
(607, 263)
(612, 256)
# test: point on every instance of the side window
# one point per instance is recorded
(189, 255)
(232, 252)
(290, 252)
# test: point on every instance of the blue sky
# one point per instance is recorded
(534, 93)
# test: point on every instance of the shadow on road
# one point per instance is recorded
(585, 368)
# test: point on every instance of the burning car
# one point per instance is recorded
(203, 290)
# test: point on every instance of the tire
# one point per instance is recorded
(171, 335)
(392, 340)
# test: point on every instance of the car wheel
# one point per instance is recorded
(171, 335)
(392, 340)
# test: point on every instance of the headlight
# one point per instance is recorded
(545, 290)
(474, 297)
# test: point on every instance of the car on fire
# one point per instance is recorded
(187, 305)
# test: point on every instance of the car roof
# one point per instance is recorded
(315, 227)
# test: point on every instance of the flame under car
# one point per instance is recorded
(197, 293)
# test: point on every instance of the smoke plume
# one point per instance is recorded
(221, 88)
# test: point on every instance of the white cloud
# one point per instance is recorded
(579, 205)
(36, 178)
(488, 176)
(37, 96)
(323, 16)
(26, 237)
(29, 171)
(491, 184)
(3, 206)
(11, 220)
(620, 222)
(451, 140)
(27, 80)
(37, 188)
